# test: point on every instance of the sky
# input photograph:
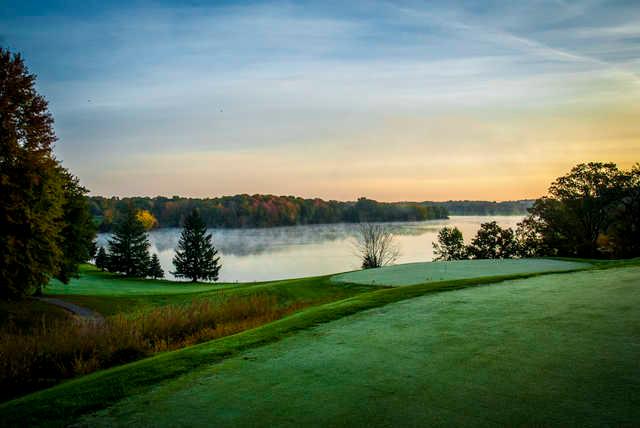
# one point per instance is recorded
(392, 100)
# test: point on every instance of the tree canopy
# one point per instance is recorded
(46, 228)
(593, 211)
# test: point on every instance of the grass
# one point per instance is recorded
(64, 403)
(556, 350)
(25, 315)
(61, 350)
(418, 273)
(41, 350)
(109, 294)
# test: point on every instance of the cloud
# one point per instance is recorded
(312, 99)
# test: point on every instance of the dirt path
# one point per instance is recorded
(85, 314)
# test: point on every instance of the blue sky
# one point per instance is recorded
(392, 100)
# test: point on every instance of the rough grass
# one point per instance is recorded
(556, 350)
(60, 350)
(418, 273)
(26, 314)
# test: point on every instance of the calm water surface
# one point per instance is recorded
(298, 251)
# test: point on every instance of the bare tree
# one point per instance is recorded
(376, 245)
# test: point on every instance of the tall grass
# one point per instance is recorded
(59, 350)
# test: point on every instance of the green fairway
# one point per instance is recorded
(418, 273)
(550, 350)
(110, 294)
(93, 282)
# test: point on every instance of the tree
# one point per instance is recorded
(147, 219)
(31, 194)
(78, 228)
(101, 259)
(196, 257)
(155, 270)
(493, 242)
(450, 245)
(624, 226)
(129, 246)
(579, 213)
(376, 246)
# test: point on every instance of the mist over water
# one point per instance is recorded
(299, 251)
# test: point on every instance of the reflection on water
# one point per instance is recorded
(297, 251)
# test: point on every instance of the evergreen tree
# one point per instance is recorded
(101, 259)
(196, 256)
(78, 229)
(155, 270)
(129, 246)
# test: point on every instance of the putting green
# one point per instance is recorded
(551, 350)
(419, 273)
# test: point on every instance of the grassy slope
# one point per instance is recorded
(71, 399)
(558, 350)
(418, 273)
(109, 294)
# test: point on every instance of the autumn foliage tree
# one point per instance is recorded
(45, 231)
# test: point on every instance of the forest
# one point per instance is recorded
(261, 210)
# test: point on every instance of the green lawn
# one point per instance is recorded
(418, 273)
(550, 350)
(110, 294)
(494, 341)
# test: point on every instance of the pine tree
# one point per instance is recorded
(155, 270)
(129, 246)
(78, 230)
(196, 256)
(101, 259)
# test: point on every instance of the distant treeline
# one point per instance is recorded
(262, 210)
(484, 207)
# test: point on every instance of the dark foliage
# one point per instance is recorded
(493, 242)
(483, 207)
(593, 211)
(102, 259)
(450, 245)
(39, 200)
(155, 270)
(196, 258)
(78, 230)
(262, 210)
(129, 246)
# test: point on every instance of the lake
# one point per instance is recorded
(299, 251)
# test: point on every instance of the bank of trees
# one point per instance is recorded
(261, 211)
(591, 212)
(47, 229)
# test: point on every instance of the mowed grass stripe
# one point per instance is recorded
(419, 273)
(559, 350)
(62, 404)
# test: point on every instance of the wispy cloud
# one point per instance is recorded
(263, 79)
